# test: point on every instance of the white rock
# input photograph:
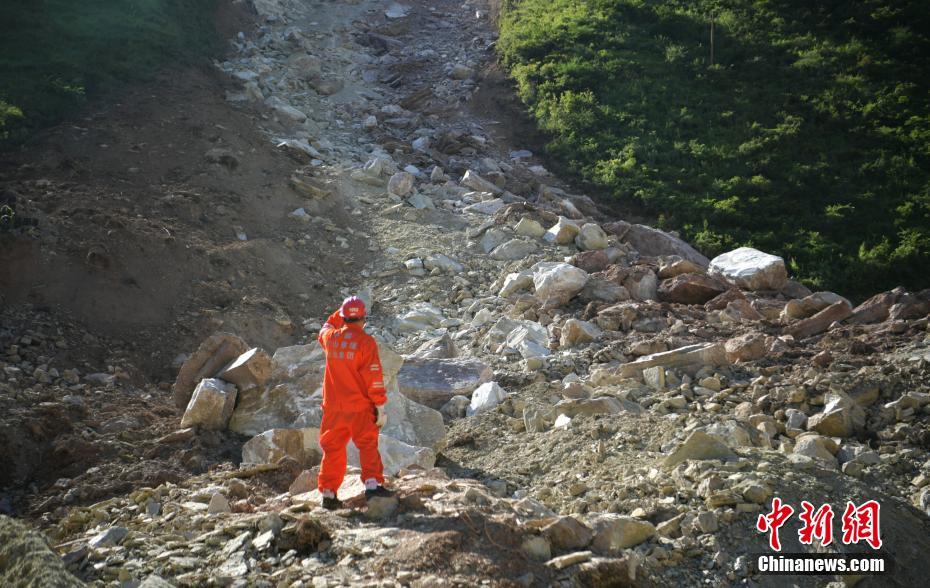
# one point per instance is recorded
(302, 445)
(211, 405)
(472, 180)
(485, 397)
(396, 455)
(563, 232)
(420, 317)
(750, 269)
(515, 282)
(529, 339)
(557, 283)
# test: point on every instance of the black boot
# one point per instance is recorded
(331, 503)
(380, 492)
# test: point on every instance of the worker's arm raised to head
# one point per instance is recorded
(370, 367)
(335, 321)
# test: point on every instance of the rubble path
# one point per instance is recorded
(620, 408)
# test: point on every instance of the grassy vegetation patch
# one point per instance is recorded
(56, 53)
(807, 135)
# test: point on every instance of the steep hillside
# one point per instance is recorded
(796, 127)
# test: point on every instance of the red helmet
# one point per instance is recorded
(352, 307)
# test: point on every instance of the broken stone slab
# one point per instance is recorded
(699, 354)
(302, 445)
(564, 561)
(698, 446)
(578, 332)
(215, 353)
(211, 405)
(432, 382)
(400, 184)
(252, 368)
(557, 283)
(613, 532)
(492, 238)
(277, 407)
(750, 269)
(654, 242)
(485, 397)
(820, 322)
(472, 180)
(690, 288)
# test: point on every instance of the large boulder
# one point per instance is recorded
(396, 455)
(302, 445)
(567, 533)
(841, 416)
(412, 422)
(485, 397)
(400, 183)
(251, 369)
(591, 261)
(655, 243)
(591, 237)
(210, 405)
(420, 317)
(474, 181)
(214, 354)
(810, 305)
(433, 382)
(876, 308)
(820, 322)
(613, 533)
(690, 289)
(299, 364)
(557, 283)
(750, 269)
(699, 446)
(514, 249)
(578, 332)
(746, 347)
(276, 407)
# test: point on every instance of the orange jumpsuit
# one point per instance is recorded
(352, 387)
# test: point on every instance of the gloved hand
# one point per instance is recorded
(382, 417)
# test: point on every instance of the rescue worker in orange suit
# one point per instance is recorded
(353, 402)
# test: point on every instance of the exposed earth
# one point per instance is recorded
(576, 399)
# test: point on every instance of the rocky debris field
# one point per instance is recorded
(574, 399)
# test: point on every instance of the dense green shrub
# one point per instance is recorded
(53, 53)
(808, 136)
